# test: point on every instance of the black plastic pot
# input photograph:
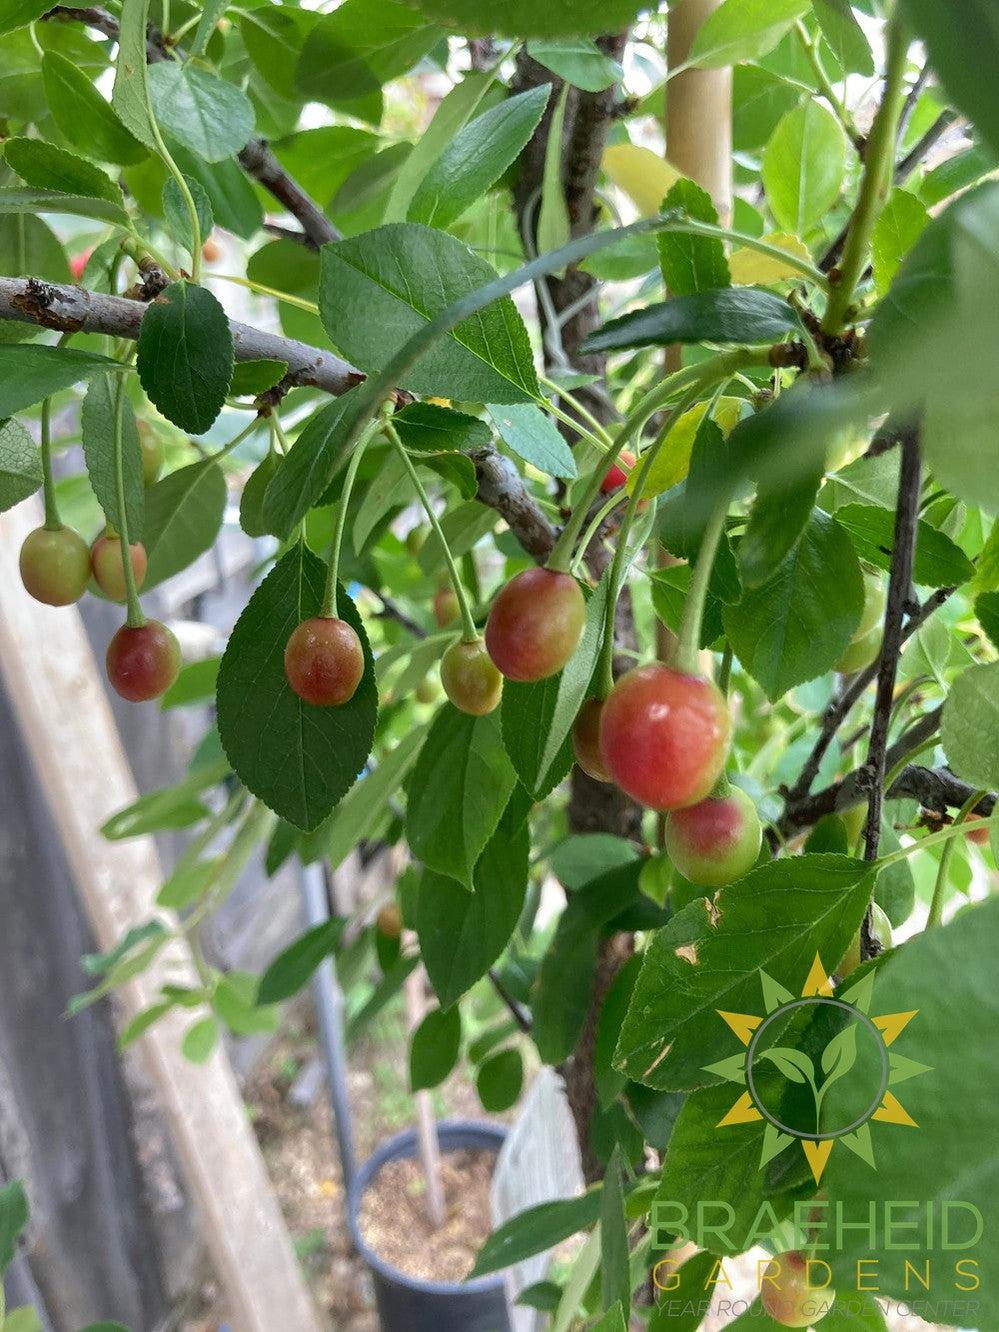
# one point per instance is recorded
(405, 1303)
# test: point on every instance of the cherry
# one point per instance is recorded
(324, 661)
(787, 1295)
(664, 736)
(416, 538)
(860, 652)
(618, 474)
(586, 740)
(55, 565)
(143, 662)
(470, 680)
(427, 690)
(388, 922)
(446, 608)
(875, 598)
(109, 569)
(716, 841)
(211, 251)
(535, 624)
(153, 453)
(78, 263)
(980, 836)
(880, 929)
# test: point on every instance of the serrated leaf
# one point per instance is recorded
(750, 266)
(177, 216)
(939, 562)
(778, 517)
(644, 176)
(305, 758)
(208, 115)
(577, 60)
(130, 96)
(50, 168)
(350, 54)
(962, 51)
(184, 514)
(733, 315)
(185, 356)
(533, 436)
(970, 725)
(32, 199)
(20, 465)
(741, 30)
(83, 116)
(426, 427)
(900, 225)
(29, 373)
(845, 36)
(803, 166)
(16, 14)
(97, 426)
(309, 466)
(379, 289)
(252, 377)
(692, 263)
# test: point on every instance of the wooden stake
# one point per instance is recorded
(426, 1122)
(69, 731)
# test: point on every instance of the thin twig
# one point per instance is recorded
(516, 1012)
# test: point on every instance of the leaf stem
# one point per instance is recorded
(935, 916)
(826, 88)
(581, 411)
(329, 606)
(469, 632)
(134, 617)
(52, 520)
(186, 195)
(697, 593)
(285, 297)
(934, 839)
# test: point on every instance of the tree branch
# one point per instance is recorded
(256, 158)
(502, 488)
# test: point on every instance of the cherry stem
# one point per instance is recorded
(52, 520)
(935, 916)
(186, 195)
(597, 521)
(934, 839)
(697, 593)
(599, 430)
(328, 609)
(470, 633)
(134, 616)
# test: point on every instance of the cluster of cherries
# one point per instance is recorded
(56, 567)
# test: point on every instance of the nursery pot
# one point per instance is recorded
(409, 1304)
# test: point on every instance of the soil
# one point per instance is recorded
(395, 1223)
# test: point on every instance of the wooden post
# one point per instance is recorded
(699, 109)
(69, 731)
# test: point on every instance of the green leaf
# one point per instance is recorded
(24, 1319)
(434, 1048)
(50, 168)
(19, 13)
(305, 758)
(553, 227)
(83, 116)
(97, 425)
(236, 1001)
(130, 95)
(186, 356)
(734, 314)
(779, 516)
(13, 1219)
(969, 730)
(744, 29)
(208, 115)
(536, 1230)
(293, 967)
(987, 615)
(28, 245)
(35, 200)
(195, 683)
(274, 36)
(379, 289)
(615, 1274)
(803, 166)
(168, 807)
(308, 468)
(938, 563)
(476, 158)
(898, 228)
(200, 1040)
(20, 465)
(948, 976)
(252, 377)
(692, 263)
(798, 623)
(463, 933)
(759, 99)
(30, 373)
(533, 436)
(845, 36)
(234, 203)
(708, 956)
(96, 964)
(694, 1282)
(524, 18)
(178, 218)
(184, 514)
(963, 45)
(425, 427)
(579, 61)
(500, 1080)
(537, 718)
(457, 793)
(362, 45)
(210, 15)
(187, 884)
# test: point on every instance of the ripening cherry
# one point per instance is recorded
(78, 262)
(55, 565)
(427, 691)
(788, 1297)
(880, 930)
(143, 662)
(586, 740)
(446, 606)
(535, 624)
(470, 680)
(324, 661)
(211, 251)
(860, 652)
(388, 922)
(416, 538)
(618, 474)
(153, 453)
(716, 841)
(664, 736)
(109, 569)
(979, 836)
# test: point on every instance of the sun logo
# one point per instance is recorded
(802, 1049)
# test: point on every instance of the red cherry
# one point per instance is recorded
(787, 1295)
(586, 740)
(78, 263)
(109, 570)
(664, 736)
(55, 565)
(446, 607)
(143, 662)
(470, 680)
(535, 624)
(980, 836)
(324, 661)
(618, 474)
(716, 841)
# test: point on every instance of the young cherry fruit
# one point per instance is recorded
(664, 736)
(388, 922)
(788, 1297)
(880, 929)
(109, 568)
(586, 740)
(143, 662)
(535, 624)
(717, 841)
(446, 607)
(860, 652)
(55, 565)
(324, 661)
(153, 453)
(618, 474)
(470, 680)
